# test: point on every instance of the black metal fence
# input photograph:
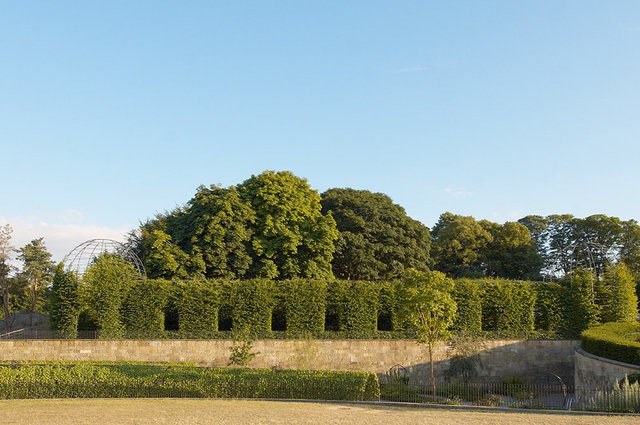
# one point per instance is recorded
(619, 398)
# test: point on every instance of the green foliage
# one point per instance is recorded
(304, 304)
(507, 305)
(622, 303)
(427, 305)
(467, 295)
(107, 283)
(623, 397)
(582, 312)
(457, 242)
(352, 306)
(132, 380)
(142, 309)
(510, 254)
(292, 238)
(552, 306)
(616, 341)
(65, 303)
(37, 271)
(252, 302)
(197, 304)
(388, 307)
(377, 239)
(240, 351)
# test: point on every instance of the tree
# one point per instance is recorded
(457, 244)
(377, 240)
(6, 251)
(622, 305)
(106, 285)
(511, 253)
(291, 236)
(65, 303)
(428, 306)
(37, 269)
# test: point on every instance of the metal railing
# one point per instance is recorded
(620, 398)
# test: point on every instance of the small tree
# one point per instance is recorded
(65, 303)
(428, 306)
(5, 267)
(37, 269)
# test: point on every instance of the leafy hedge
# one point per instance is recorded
(507, 305)
(134, 380)
(615, 341)
(260, 307)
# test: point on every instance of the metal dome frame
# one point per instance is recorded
(79, 259)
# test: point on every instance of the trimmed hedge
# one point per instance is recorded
(552, 304)
(507, 306)
(251, 304)
(468, 295)
(615, 341)
(197, 304)
(352, 306)
(142, 308)
(304, 305)
(134, 380)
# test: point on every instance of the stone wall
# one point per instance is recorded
(500, 359)
(592, 372)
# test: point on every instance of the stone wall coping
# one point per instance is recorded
(580, 351)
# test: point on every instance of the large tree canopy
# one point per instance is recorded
(291, 236)
(377, 239)
(271, 225)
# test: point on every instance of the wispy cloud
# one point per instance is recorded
(61, 231)
(413, 69)
(457, 193)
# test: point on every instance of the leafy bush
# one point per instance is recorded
(304, 305)
(615, 341)
(467, 295)
(507, 305)
(552, 304)
(197, 304)
(89, 380)
(142, 308)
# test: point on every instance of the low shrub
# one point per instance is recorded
(615, 341)
(135, 380)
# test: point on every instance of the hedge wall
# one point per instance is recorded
(304, 305)
(142, 309)
(251, 304)
(352, 306)
(122, 380)
(468, 295)
(197, 304)
(615, 341)
(507, 305)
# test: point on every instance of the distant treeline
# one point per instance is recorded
(275, 226)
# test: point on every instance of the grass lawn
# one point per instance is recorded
(207, 411)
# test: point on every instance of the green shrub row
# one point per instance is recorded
(127, 380)
(615, 341)
(304, 307)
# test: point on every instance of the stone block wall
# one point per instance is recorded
(500, 359)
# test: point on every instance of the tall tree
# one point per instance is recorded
(6, 251)
(427, 305)
(457, 244)
(377, 239)
(511, 253)
(291, 236)
(37, 269)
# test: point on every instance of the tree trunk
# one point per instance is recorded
(5, 305)
(35, 301)
(433, 380)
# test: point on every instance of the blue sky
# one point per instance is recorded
(112, 111)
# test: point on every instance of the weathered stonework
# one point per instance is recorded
(500, 359)
(593, 372)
